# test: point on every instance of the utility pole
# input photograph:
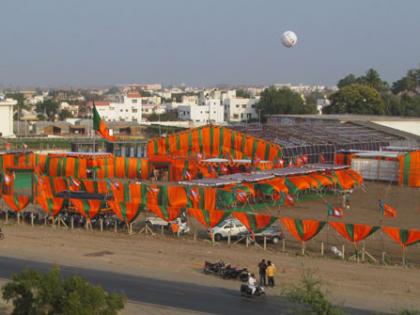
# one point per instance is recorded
(160, 134)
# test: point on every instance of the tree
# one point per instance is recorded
(347, 80)
(168, 116)
(311, 101)
(410, 105)
(145, 93)
(64, 114)
(113, 90)
(242, 93)
(373, 79)
(356, 99)
(20, 98)
(410, 83)
(393, 105)
(33, 293)
(283, 101)
(48, 108)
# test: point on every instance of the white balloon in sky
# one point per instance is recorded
(289, 39)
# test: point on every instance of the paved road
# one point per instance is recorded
(193, 297)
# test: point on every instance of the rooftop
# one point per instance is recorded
(349, 117)
(133, 95)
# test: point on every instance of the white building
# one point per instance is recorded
(148, 109)
(240, 109)
(321, 103)
(72, 108)
(129, 109)
(155, 100)
(211, 112)
(190, 99)
(36, 99)
(6, 116)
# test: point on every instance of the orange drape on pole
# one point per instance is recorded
(300, 182)
(355, 175)
(353, 232)
(16, 202)
(402, 236)
(345, 180)
(322, 179)
(177, 196)
(410, 169)
(87, 208)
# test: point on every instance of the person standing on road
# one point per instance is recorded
(262, 266)
(271, 271)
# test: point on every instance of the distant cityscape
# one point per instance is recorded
(61, 112)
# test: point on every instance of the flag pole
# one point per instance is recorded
(94, 144)
(328, 227)
(381, 214)
(93, 128)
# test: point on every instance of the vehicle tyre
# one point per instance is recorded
(218, 237)
(276, 240)
(225, 275)
(244, 277)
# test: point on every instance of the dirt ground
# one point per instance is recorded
(361, 285)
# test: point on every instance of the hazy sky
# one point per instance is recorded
(204, 42)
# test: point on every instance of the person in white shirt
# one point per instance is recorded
(252, 282)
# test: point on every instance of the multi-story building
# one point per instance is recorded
(129, 108)
(148, 109)
(72, 108)
(240, 109)
(190, 99)
(6, 116)
(210, 112)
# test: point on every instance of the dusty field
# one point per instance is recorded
(364, 209)
(366, 286)
(358, 285)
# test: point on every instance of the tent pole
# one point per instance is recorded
(363, 251)
(403, 257)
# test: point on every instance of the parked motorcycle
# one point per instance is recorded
(247, 292)
(233, 273)
(213, 268)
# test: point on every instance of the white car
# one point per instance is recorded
(158, 222)
(233, 227)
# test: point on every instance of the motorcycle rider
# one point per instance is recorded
(252, 282)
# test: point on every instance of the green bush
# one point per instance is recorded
(308, 292)
(34, 293)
